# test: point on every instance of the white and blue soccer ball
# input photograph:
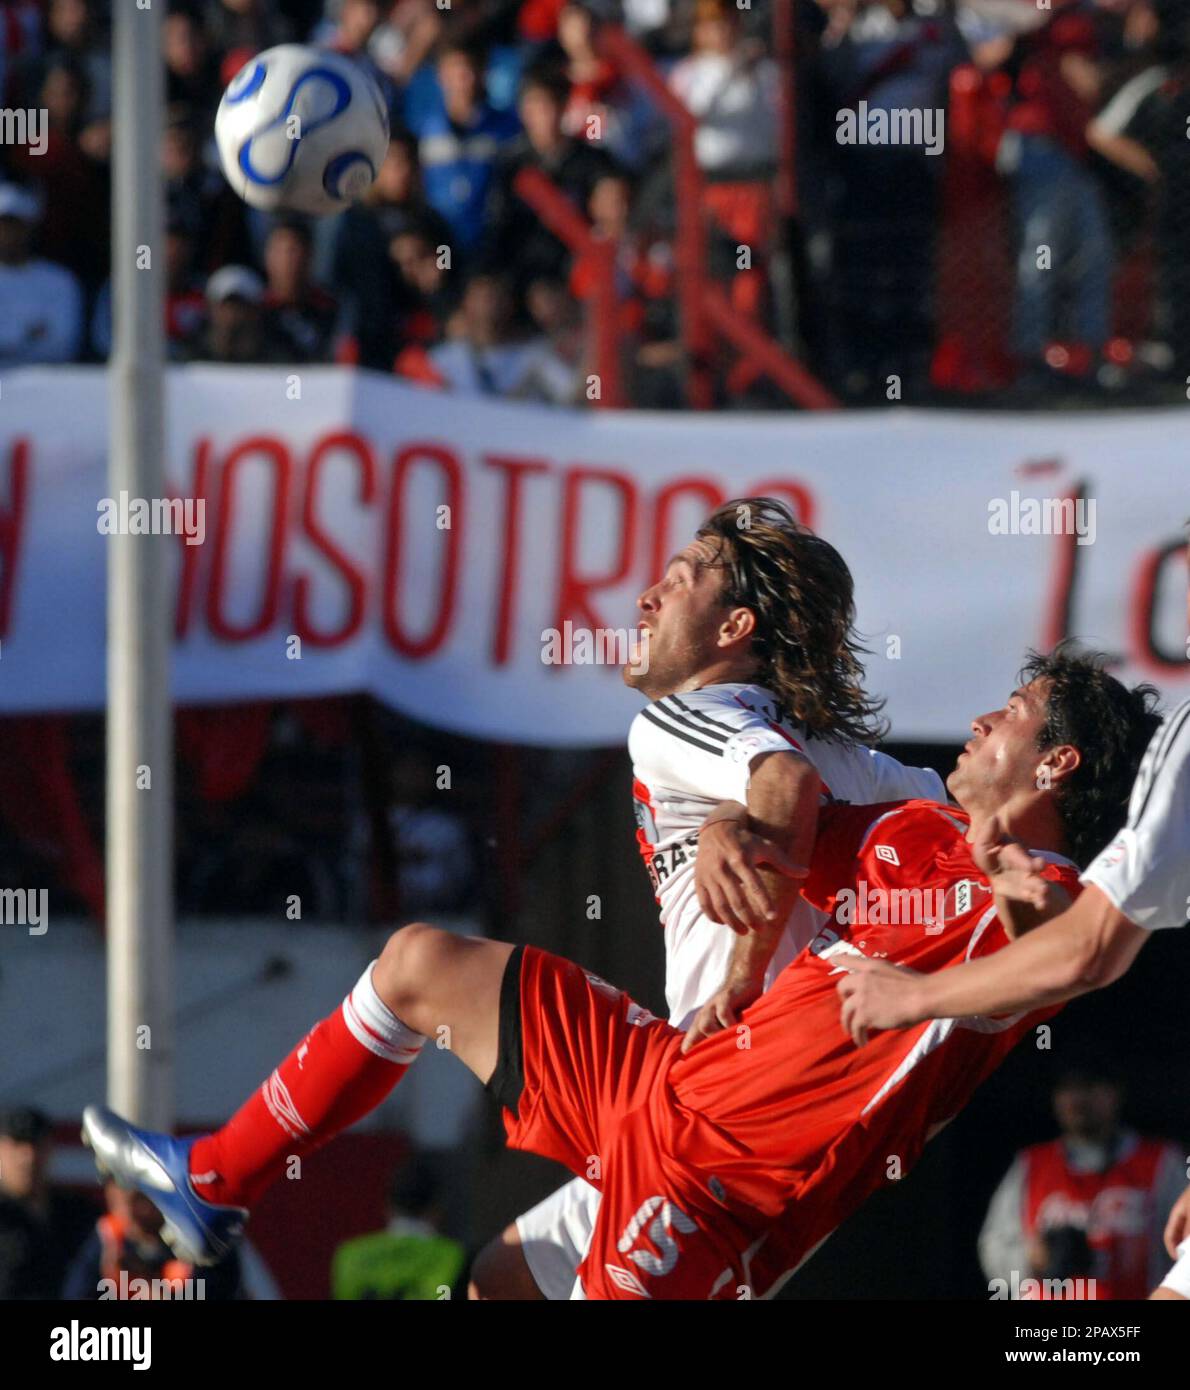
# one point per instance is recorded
(301, 130)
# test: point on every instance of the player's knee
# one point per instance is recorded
(412, 957)
(500, 1273)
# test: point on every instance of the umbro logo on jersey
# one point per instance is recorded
(626, 1280)
(888, 854)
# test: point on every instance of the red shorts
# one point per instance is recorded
(582, 1078)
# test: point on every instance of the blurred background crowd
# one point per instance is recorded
(1037, 255)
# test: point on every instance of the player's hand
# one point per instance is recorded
(729, 888)
(722, 1010)
(877, 995)
(1013, 872)
(1177, 1228)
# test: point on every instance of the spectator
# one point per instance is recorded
(1143, 131)
(303, 316)
(601, 106)
(428, 295)
(72, 181)
(435, 856)
(125, 1245)
(191, 70)
(410, 1259)
(185, 302)
(237, 329)
(1090, 1204)
(247, 26)
(731, 88)
(41, 1226)
(43, 304)
(199, 195)
(1061, 222)
(361, 269)
(73, 33)
(555, 315)
(355, 34)
(486, 355)
(516, 236)
(458, 143)
(20, 39)
(879, 209)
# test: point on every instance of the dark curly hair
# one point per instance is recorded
(1110, 726)
(802, 595)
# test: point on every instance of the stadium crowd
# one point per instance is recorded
(444, 275)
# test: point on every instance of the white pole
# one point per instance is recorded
(139, 731)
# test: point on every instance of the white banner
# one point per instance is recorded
(358, 534)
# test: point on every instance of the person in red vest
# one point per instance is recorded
(126, 1259)
(1088, 1207)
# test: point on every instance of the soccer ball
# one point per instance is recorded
(301, 130)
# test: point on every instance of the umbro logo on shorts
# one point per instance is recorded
(626, 1280)
(888, 854)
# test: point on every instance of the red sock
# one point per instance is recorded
(343, 1068)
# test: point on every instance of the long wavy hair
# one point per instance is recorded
(802, 596)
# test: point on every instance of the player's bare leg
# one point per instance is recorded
(426, 983)
(432, 980)
(500, 1272)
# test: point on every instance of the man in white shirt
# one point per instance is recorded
(714, 735)
(1139, 884)
(43, 303)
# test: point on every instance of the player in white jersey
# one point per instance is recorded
(707, 739)
(1139, 884)
(689, 753)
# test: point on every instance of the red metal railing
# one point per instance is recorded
(569, 225)
(690, 243)
(702, 306)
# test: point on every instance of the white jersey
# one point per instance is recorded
(690, 752)
(1145, 871)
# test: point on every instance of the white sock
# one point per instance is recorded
(374, 1024)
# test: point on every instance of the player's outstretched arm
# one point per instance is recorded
(1177, 1228)
(783, 795)
(1089, 946)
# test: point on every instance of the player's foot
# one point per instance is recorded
(158, 1165)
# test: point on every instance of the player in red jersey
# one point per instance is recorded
(721, 1168)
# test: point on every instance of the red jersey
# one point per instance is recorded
(818, 1123)
(721, 1170)
(1116, 1207)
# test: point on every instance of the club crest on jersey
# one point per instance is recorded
(742, 748)
(888, 854)
(960, 900)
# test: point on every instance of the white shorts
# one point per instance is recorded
(555, 1236)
